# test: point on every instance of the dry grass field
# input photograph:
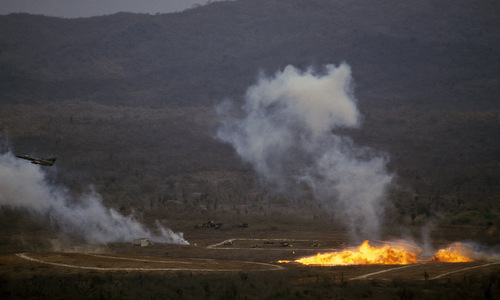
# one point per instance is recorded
(235, 264)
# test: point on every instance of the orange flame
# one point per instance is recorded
(457, 252)
(364, 255)
(385, 255)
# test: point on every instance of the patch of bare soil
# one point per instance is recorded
(246, 251)
(230, 264)
(113, 263)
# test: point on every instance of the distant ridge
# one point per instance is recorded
(431, 53)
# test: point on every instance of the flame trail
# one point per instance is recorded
(386, 255)
(364, 255)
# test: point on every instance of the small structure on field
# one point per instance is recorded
(143, 242)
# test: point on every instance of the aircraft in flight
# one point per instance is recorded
(39, 161)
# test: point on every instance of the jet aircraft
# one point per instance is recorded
(39, 161)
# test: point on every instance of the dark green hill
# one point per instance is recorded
(126, 101)
(433, 53)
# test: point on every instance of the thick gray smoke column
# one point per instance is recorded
(24, 185)
(286, 130)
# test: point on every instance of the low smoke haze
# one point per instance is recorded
(76, 9)
(287, 133)
(25, 186)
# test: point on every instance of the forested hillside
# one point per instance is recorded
(127, 101)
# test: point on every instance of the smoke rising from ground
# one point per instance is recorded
(286, 130)
(24, 185)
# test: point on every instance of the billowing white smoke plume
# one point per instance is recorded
(24, 185)
(286, 130)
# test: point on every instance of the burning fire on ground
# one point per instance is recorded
(386, 255)
(457, 252)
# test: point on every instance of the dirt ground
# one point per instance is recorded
(237, 263)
